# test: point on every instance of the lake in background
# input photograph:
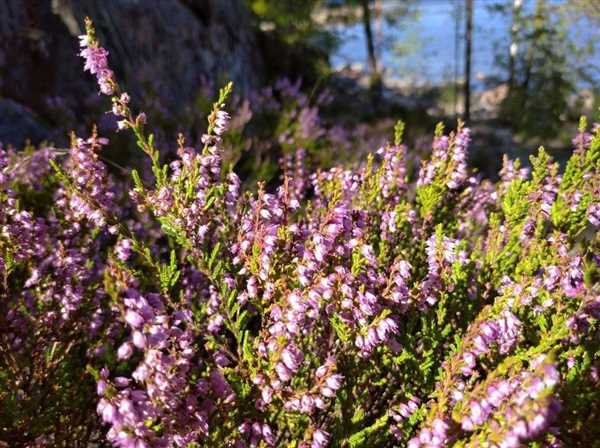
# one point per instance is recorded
(428, 39)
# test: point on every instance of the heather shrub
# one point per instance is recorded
(378, 304)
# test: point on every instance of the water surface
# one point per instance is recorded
(430, 52)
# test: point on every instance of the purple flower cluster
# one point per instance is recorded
(502, 333)
(159, 389)
(401, 413)
(294, 169)
(515, 391)
(593, 213)
(96, 62)
(92, 197)
(441, 254)
(459, 159)
(399, 285)
(310, 313)
(529, 411)
(435, 437)
(448, 162)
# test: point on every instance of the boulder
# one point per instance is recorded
(162, 51)
(19, 124)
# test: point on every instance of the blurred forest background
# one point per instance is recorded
(325, 74)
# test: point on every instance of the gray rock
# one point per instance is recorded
(165, 50)
(19, 124)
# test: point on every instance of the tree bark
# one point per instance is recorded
(468, 52)
(366, 16)
(372, 58)
(538, 24)
(378, 29)
(514, 48)
(457, 85)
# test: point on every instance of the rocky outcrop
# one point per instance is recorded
(20, 123)
(165, 50)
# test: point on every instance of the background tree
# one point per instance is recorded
(373, 15)
(468, 53)
(514, 30)
(547, 68)
(291, 19)
(295, 45)
(371, 56)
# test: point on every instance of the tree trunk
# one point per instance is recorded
(372, 58)
(366, 16)
(514, 48)
(457, 85)
(378, 29)
(468, 44)
(538, 24)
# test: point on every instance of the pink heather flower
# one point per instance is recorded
(594, 214)
(101, 387)
(283, 372)
(267, 394)
(107, 410)
(134, 319)
(221, 122)
(121, 381)
(141, 373)
(96, 62)
(292, 357)
(459, 157)
(551, 277)
(334, 381)
(126, 407)
(267, 434)
(119, 108)
(139, 340)
(321, 371)
(327, 392)
(215, 323)
(320, 439)
(439, 430)
(582, 139)
(125, 351)
(414, 443)
(307, 404)
(123, 249)
(252, 287)
(572, 280)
